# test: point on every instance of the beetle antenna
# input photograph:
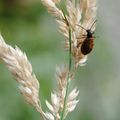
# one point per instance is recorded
(93, 24)
(81, 26)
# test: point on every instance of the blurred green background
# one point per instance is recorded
(27, 24)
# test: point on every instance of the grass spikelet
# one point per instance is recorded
(18, 64)
(74, 21)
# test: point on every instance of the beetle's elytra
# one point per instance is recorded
(88, 42)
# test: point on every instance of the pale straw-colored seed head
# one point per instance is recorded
(53, 9)
(71, 101)
(49, 116)
(62, 74)
(87, 8)
(53, 107)
(18, 64)
(58, 97)
(80, 12)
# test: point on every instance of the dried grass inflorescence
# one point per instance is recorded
(57, 98)
(18, 64)
(79, 12)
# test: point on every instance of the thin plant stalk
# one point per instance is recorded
(70, 51)
(70, 65)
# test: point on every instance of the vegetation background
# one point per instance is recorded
(27, 24)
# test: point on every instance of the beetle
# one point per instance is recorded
(88, 42)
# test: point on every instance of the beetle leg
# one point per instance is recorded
(84, 35)
(81, 37)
